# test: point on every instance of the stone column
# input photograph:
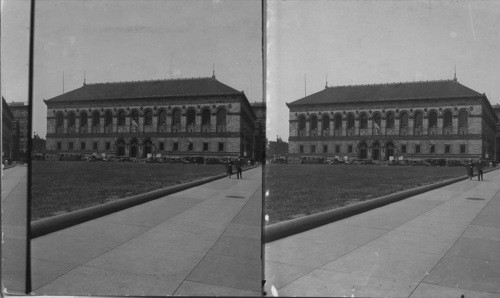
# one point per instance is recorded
(425, 125)
(115, 124)
(454, 121)
(168, 123)
(101, 124)
(141, 123)
(128, 121)
(356, 126)
(213, 122)
(397, 124)
(183, 122)
(411, 125)
(440, 125)
(155, 123)
(197, 127)
(77, 124)
(344, 127)
(383, 126)
(370, 126)
(331, 127)
(65, 124)
(308, 127)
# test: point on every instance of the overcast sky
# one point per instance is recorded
(366, 42)
(138, 40)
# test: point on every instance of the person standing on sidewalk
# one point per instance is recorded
(470, 170)
(239, 169)
(480, 171)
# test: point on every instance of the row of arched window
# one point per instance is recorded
(134, 116)
(377, 120)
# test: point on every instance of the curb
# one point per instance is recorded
(52, 224)
(294, 226)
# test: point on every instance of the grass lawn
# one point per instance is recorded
(298, 190)
(63, 186)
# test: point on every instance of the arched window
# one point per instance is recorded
(314, 122)
(121, 118)
(377, 122)
(418, 120)
(71, 119)
(191, 117)
(302, 122)
(350, 121)
(148, 118)
(325, 122)
(338, 122)
(463, 120)
(221, 117)
(162, 118)
(447, 119)
(205, 117)
(176, 117)
(134, 118)
(96, 119)
(363, 121)
(404, 120)
(59, 119)
(83, 119)
(433, 119)
(390, 121)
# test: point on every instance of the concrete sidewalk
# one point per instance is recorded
(14, 227)
(202, 241)
(443, 243)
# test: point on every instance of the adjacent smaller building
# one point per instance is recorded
(20, 113)
(10, 133)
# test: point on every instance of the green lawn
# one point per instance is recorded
(63, 186)
(298, 190)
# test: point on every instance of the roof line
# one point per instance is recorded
(142, 81)
(392, 83)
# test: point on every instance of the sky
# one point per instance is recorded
(110, 41)
(368, 42)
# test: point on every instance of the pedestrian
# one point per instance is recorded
(229, 168)
(479, 171)
(2, 170)
(239, 169)
(470, 170)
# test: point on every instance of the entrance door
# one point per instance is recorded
(376, 151)
(363, 151)
(120, 147)
(389, 150)
(147, 147)
(133, 148)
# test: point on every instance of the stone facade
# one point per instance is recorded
(20, 112)
(204, 119)
(397, 122)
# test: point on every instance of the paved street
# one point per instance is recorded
(202, 241)
(443, 243)
(14, 203)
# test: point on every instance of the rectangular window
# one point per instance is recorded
(82, 146)
(95, 145)
(447, 148)
(162, 146)
(205, 146)
(70, 145)
(417, 148)
(108, 145)
(221, 146)
(301, 148)
(337, 148)
(176, 146)
(190, 146)
(403, 148)
(433, 148)
(325, 148)
(349, 149)
(313, 148)
(462, 149)
(59, 145)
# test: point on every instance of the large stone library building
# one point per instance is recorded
(412, 120)
(198, 117)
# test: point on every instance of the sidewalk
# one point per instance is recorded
(14, 213)
(202, 241)
(443, 243)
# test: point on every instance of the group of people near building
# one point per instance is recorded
(478, 166)
(238, 164)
